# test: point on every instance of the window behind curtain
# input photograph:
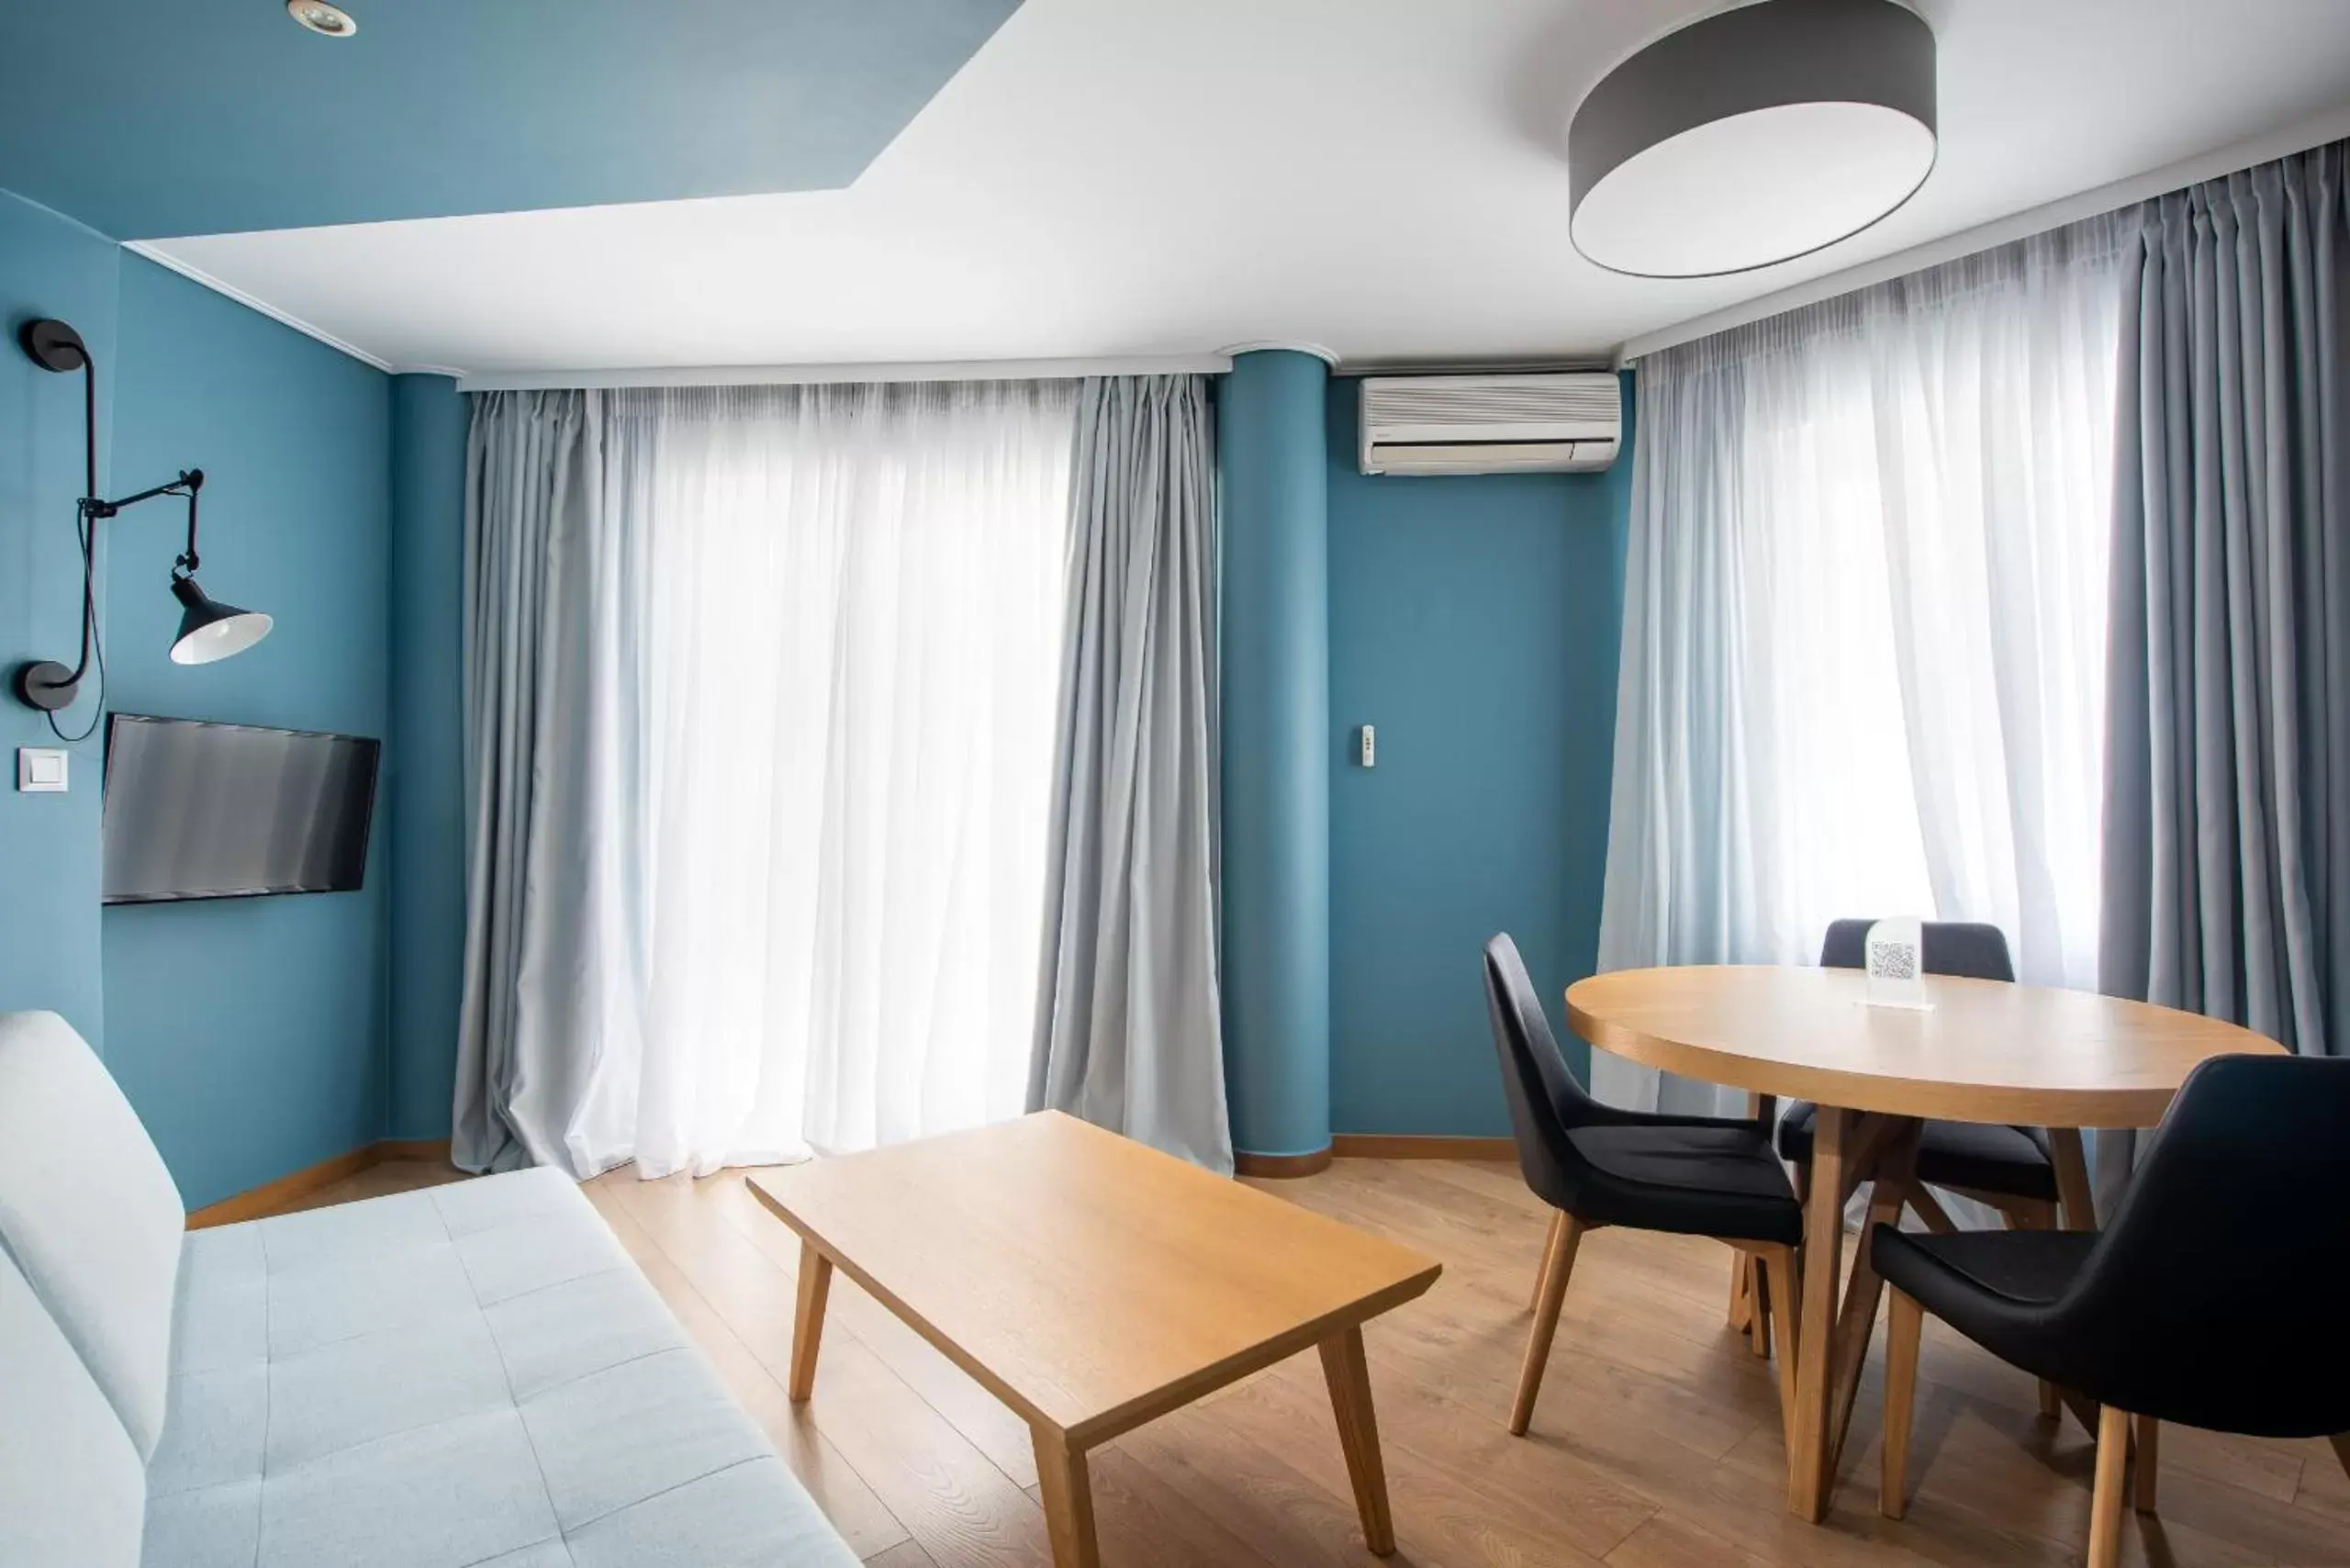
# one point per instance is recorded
(853, 639)
(1864, 636)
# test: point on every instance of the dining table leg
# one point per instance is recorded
(1823, 1268)
(1837, 1322)
(2077, 1200)
(1896, 1166)
(2073, 1187)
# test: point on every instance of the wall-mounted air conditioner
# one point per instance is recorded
(1567, 423)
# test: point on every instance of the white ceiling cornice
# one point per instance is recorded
(2301, 138)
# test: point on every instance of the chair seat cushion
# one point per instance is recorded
(1994, 1286)
(2031, 1268)
(1978, 1156)
(1700, 1180)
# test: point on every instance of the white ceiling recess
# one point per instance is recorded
(1110, 179)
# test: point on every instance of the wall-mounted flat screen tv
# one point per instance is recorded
(204, 811)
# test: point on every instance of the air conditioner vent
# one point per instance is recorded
(1489, 424)
(1525, 400)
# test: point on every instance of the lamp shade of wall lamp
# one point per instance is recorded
(210, 630)
(1752, 136)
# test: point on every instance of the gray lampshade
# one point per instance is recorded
(1752, 136)
(210, 630)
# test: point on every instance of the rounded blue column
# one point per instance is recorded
(1276, 741)
(427, 822)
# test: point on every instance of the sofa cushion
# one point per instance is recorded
(70, 1490)
(89, 1213)
(473, 1374)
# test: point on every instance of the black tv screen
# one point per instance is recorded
(205, 811)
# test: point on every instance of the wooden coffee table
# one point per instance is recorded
(1091, 1284)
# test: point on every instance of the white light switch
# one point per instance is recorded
(1369, 747)
(40, 770)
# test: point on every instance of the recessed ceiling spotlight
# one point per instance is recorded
(327, 21)
(1755, 135)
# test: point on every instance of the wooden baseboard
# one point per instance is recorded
(1280, 1165)
(273, 1197)
(1417, 1145)
(1374, 1145)
(1400, 1145)
(270, 1197)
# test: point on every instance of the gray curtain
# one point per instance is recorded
(2227, 820)
(1128, 1022)
(551, 646)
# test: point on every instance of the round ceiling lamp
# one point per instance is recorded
(1752, 136)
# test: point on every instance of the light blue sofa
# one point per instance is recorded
(474, 1376)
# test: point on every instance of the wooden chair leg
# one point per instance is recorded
(1930, 1211)
(1905, 1326)
(1761, 1305)
(1546, 1324)
(1779, 1269)
(2147, 1433)
(1746, 1273)
(2112, 1477)
(1549, 1255)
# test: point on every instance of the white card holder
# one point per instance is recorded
(1894, 953)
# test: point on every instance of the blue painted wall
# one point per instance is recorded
(426, 793)
(252, 1034)
(1474, 621)
(49, 843)
(1276, 711)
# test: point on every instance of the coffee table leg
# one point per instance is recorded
(807, 1322)
(1349, 1378)
(1068, 1500)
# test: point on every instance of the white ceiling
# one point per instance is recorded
(1135, 177)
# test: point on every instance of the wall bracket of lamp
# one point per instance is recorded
(209, 629)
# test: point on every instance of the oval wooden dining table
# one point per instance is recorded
(1982, 1051)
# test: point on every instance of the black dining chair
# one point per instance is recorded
(1596, 1165)
(2188, 1307)
(2006, 1169)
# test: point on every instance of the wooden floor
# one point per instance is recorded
(1656, 1443)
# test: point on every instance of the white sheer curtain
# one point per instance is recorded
(1863, 627)
(781, 886)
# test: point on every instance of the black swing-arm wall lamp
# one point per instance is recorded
(209, 629)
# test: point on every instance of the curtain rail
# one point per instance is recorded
(818, 374)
